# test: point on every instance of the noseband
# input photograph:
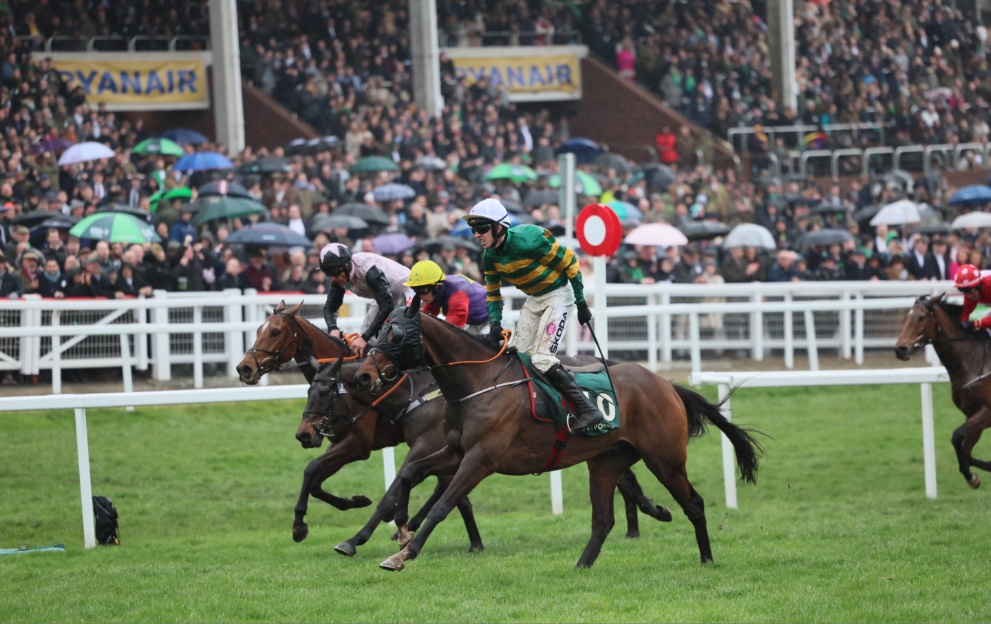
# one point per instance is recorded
(326, 425)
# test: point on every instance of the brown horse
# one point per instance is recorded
(966, 354)
(285, 336)
(489, 428)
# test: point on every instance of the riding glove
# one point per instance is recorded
(584, 314)
(495, 334)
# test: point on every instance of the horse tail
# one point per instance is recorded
(702, 411)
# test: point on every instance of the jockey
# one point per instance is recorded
(975, 286)
(460, 299)
(367, 275)
(529, 257)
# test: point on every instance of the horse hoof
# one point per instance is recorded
(476, 548)
(393, 564)
(974, 482)
(405, 536)
(300, 532)
(360, 501)
(663, 513)
(633, 535)
(395, 536)
(346, 548)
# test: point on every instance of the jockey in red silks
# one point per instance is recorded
(975, 286)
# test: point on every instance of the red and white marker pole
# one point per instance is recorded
(599, 232)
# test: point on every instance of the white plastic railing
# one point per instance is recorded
(925, 377)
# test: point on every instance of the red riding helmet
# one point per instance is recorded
(967, 276)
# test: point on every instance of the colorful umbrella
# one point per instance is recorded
(85, 152)
(372, 164)
(56, 144)
(392, 243)
(512, 172)
(115, 227)
(162, 146)
(973, 195)
(216, 207)
(585, 184)
(203, 161)
(625, 210)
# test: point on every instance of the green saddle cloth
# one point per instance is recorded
(555, 408)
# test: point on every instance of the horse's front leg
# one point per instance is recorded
(964, 438)
(469, 472)
(319, 470)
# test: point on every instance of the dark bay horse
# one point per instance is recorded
(966, 354)
(489, 428)
(284, 336)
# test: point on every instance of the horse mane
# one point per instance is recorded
(480, 339)
(954, 310)
(334, 339)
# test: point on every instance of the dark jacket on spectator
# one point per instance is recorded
(48, 287)
(227, 280)
(137, 283)
(10, 284)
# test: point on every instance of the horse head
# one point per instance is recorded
(919, 328)
(325, 403)
(274, 341)
(398, 348)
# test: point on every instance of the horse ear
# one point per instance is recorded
(293, 310)
(314, 363)
(281, 306)
(396, 334)
(414, 307)
(337, 364)
(939, 297)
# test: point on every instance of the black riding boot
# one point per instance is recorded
(585, 413)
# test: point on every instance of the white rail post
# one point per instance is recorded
(858, 332)
(757, 329)
(389, 465)
(695, 342)
(845, 328)
(666, 355)
(652, 337)
(197, 346)
(162, 368)
(928, 439)
(125, 367)
(85, 485)
(56, 354)
(141, 340)
(789, 322)
(233, 339)
(810, 339)
(729, 470)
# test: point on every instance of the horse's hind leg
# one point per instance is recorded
(634, 499)
(674, 477)
(964, 438)
(318, 471)
(604, 473)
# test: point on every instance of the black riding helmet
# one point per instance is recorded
(335, 258)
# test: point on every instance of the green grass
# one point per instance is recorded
(837, 530)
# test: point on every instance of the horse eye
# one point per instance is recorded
(922, 318)
(275, 332)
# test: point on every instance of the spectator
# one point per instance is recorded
(316, 283)
(10, 286)
(260, 274)
(233, 277)
(183, 231)
(52, 282)
(127, 282)
(666, 143)
(828, 270)
(783, 269)
(94, 278)
(941, 258)
(920, 263)
(296, 280)
(736, 268)
(29, 273)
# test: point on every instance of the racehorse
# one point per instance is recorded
(494, 433)
(966, 354)
(284, 336)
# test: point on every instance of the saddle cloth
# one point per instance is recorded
(548, 405)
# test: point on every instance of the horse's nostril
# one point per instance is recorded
(364, 379)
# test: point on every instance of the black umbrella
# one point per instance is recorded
(144, 215)
(216, 207)
(932, 228)
(370, 214)
(326, 222)
(435, 244)
(659, 177)
(296, 146)
(60, 222)
(34, 217)
(223, 187)
(702, 230)
(268, 234)
(866, 213)
(536, 198)
(828, 236)
(828, 208)
(263, 166)
(612, 160)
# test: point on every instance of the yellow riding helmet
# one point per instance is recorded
(425, 273)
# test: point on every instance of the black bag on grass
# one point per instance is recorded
(106, 521)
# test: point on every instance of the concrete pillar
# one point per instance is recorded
(228, 109)
(426, 56)
(781, 36)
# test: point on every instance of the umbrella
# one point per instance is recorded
(392, 192)
(932, 228)
(263, 166)
(612, 160)
(144, 215)
(657, 235)
(322, 144)
(34, 217)
(866, 213)
(973, 195)
(368, 213)
(538, 198)
(214, 207)
(939, 93)
(223, 187)
(162, 146)
(625, 210)
(85, 152)
(749, 235)
(828, 236)
(828, 208)
(56, 144)
(659, 177)
(268, 234)
(969, 220)
(202, 161)
(392, 243)
(372, 164)
(585, 150)
(296, 146)
(900, 177)
(897, 213)
(115, 227)
(703, 230)
(431, 163)
(185, 135)
(435, 244)
(325, 222)
(585, 184)
(179, 192)
(513, 173)
(56, 222)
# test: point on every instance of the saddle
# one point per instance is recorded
(548, 405)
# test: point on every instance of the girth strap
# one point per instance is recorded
(560, 443)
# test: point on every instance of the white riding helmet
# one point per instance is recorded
(488, 210)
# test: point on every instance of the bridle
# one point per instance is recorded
(304, 346)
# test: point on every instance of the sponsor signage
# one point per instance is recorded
(526, 73)
(160, 83)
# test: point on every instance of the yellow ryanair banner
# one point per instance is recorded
(527, 74)
(139, 85)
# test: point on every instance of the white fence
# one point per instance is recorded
(925, 377)
(652, 323)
